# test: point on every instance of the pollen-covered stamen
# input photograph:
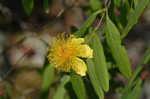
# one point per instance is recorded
(66, 51)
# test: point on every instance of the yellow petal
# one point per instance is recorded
(76, 40)
(79, 66)
(85, 51)
(66, 67)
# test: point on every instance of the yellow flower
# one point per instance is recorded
(66, 53)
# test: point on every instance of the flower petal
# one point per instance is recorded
(85, 51)
(79, 66)
(66, 67)
(76, 40)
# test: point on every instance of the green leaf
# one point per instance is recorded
(117, 50)
(1, 97)
(45, 4)
(48, 76)
(135, 3)
(134, 15)
(117, 3)
(8, 89)
(141, 5)
(60, 92)
(78, 86)
(28, 6)
(96, 4)
(135, 92)
(100, 62)
(146, 56)
(88, 23)
(139, 68)
(94, 79)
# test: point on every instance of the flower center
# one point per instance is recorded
(66, 51)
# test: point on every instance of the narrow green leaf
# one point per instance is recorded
(48, 76)
(145, 60)
(1, 97)
(78, 86)
(135, 3)
(141, 5)
(134, 15)
(135, 92)
(88, 23)
(67, 97)
(117, 3)
(118, 51)
(100, 63)
(8, 90)
(146, 56)
(45, 4)
(60, 92)
(96, 4)
(28, 6)
(94, 79)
